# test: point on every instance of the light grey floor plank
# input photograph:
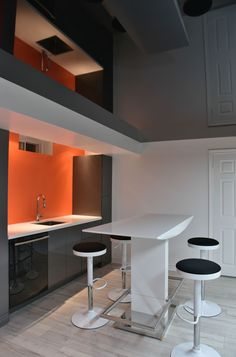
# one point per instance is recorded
(44, 328)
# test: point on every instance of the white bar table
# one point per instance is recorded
(150, 234)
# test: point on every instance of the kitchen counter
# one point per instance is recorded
(28, 228)
(149, 226)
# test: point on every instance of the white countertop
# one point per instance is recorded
(150, 225)
(27, 228)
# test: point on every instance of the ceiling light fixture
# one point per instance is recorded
(196, 7)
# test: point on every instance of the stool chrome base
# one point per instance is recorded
(115, 294)
(89, 319)
(186, 350)
(209, 308)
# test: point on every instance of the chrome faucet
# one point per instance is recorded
(38, 214)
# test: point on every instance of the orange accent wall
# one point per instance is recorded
(29, 55)
(31, 174)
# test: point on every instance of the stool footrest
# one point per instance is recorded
(183, 318)
(102, 286)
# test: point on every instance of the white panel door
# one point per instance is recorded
(223, 207)
(220, 51)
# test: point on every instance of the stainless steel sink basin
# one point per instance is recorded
(49, 223)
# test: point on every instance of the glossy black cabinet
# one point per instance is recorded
(73, 262)
(57, 257)
(28, 268)
(63, 265)
(90, 237)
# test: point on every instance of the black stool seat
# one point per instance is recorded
(121, 237)
(198, 266)
(202, 241)
(89, 247)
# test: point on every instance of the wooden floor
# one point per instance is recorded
(44, 327)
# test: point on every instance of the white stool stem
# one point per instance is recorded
(90, 282)
(197, 312)
(203, 255)
(124, 264)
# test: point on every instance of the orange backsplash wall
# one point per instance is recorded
(29, 55)
(31, 174)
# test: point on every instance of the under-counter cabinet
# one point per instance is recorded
(73, 263)
(92, 188)
(28, 268)
(56, 258)
(62, 264)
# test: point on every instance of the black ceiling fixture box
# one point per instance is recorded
(54, 45)
(196, 7)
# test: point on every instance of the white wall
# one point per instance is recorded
(170, 177)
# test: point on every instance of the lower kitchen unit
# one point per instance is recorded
(50, 193)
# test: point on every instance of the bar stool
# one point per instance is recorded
(115, 293)
(209, 308)
(90, 319)
(197, 270)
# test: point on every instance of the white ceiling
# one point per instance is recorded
(30, 114)
(32, 27)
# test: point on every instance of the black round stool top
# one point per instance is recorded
(198, 266)
(206, 242)
(89, 247)
(121, 237)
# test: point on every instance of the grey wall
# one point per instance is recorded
(4, 297)
(165, 94)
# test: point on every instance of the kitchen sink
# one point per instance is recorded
(49, 223)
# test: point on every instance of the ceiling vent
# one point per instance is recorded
(54, 45)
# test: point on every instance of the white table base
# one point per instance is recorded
(149, 272)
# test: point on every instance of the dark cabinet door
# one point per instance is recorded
(57, 257)
(90, 237)
(106, 175)
(87, 185)
(73, 262)
(92, 193)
